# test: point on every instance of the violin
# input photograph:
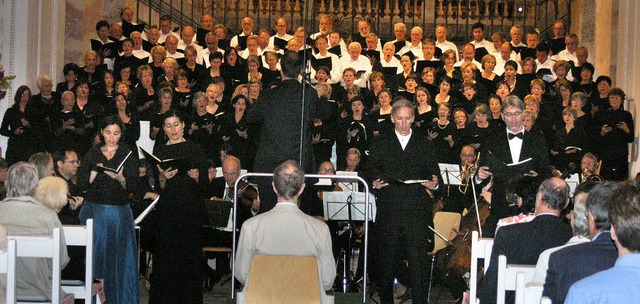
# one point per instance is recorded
(247, 192)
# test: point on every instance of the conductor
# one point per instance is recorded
(285, 114)
(405, 209)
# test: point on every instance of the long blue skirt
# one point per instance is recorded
(114, 250)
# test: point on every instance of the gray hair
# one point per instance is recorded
(22, 179)
(512, 101)
(599, 198)
(554, 192)
(42, 160)
(288, 179)
(580, 222)
(52, 192)
(66, 93)
(42, 78)
(399, 104)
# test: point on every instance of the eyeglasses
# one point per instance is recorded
(511, 114)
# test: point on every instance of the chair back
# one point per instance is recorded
(283, 279)
(480, 249)
(78, 235)
(446, 224)
(531, 294)
(8, 267)
(48, 246)
(512, 275)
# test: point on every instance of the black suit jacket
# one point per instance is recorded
(279, 111)
(217, 189)
(571, 264)
(522, 244)
(495, 154)
(388, 162)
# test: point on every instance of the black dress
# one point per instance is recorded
(442, 148)
(244, 148)
(70, 138)
(176, 228)
(20, 146)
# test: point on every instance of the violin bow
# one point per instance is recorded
(475, 195)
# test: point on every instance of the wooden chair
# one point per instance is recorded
(447, 225)
(42, 247)
(480, 249)
(8, 267)
(77, 235)
(282, 279)
(510, 276)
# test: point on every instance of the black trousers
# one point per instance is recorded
(404, 234)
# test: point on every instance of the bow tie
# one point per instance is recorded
(518, 135)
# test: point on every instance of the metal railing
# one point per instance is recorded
(341, 177)
(457, 15)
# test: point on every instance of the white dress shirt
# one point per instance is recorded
(515, 146)
(361, 64)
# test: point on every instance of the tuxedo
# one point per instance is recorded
(573, 263)
(496, 155)
(522, 244)
(403, 211)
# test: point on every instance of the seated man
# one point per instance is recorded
(620, 283)
(546, 230)
(569, 265)
(285, 230)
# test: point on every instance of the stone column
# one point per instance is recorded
(627, 66)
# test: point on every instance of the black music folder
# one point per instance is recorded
(116, 169)
(182, 164)
(280, 43)
(242, 42)
(421, 64)
(109, 50)
(317, 63)
(128, 28)
(336, 50)
(200, 36)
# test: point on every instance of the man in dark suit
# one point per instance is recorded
(523, 243)
(405, 210)
(507, 153)
(222, 189)
(573, 263)
(286, 130)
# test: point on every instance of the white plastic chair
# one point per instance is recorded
(480, 249)
(76, 235)
(510, 276)
(532, 292)
(8, 267)
(42, 247)
(545, 300)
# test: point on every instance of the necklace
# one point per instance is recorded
(442, 126)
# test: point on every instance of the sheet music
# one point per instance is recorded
(348, 186)
(451, 174)
(573, 181)
(144, 213)
(520, 162)
(335, 205)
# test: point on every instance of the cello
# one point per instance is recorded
(455, 259)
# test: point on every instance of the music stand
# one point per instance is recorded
(451, 175)
(573, 181)
(137, 223)
(347, 206)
